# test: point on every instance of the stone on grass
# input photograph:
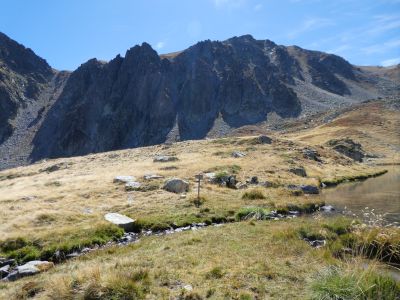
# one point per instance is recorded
(164, 158)
(309, 189)
(132, 186)
(176, 185)
(123, 179)
(238, 154)
(300, 171)
(30, 268)
(327, 208)
(263, 139)
(311, 154)
(152, 176)
(122, 221)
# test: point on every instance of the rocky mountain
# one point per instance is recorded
(144, 98)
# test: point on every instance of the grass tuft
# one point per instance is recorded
(254, 194)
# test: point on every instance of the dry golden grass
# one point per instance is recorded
(38, 204)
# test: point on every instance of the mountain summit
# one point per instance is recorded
(145, 98)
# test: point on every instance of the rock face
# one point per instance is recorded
(120, 220)
(176, 185)
(22, 77)
(349, 148)
(142, 98)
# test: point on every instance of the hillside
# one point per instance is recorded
(145, 99)
(57, 207)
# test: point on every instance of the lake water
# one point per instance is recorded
(381, 195)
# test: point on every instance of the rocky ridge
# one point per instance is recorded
(144, 98)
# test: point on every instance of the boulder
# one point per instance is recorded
(132, 186)
(120, 220)
(210, 177)
(263, 139)
(306, 189)
(164, 158)
(348, 147)
(152, 176)
(123, 179)
(176, 185)
(311, 154)
(309, 189)
(254, 180)
(238, 154)
(30, 268)
(300, 171)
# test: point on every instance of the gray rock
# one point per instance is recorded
(263, 139)
(253, 180)
(327, 208)
(176, 185)
(266, 184)
(5, 261)
(29, 269)
(123, 179)
(300, 171)
(152, 176)
(4, 271)
(120, 220)
(238, 154)
(132, 186)
(309, 189)
(348, 147)
(164, 158)
(210, 177)
(311, 154)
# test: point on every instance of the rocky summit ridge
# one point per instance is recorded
(145, 98)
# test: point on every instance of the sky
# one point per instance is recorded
(67, 33)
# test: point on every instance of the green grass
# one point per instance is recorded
(337, 180)
(353, 283)
(257, 213)
(24, 250)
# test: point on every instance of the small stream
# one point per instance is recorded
(369, 198)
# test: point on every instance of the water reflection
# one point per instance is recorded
(380, 194)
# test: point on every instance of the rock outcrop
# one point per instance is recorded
(144, 98)
(348, 147)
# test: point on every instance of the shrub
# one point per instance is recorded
(253, 194)
(215, 273)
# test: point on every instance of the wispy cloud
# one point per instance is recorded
(384, 23)
(391, 62)
(382, 47)
(309, 25)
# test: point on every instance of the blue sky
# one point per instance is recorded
(68, 33)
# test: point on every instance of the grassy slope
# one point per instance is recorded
(254, 260)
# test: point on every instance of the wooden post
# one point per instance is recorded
(199, 177)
